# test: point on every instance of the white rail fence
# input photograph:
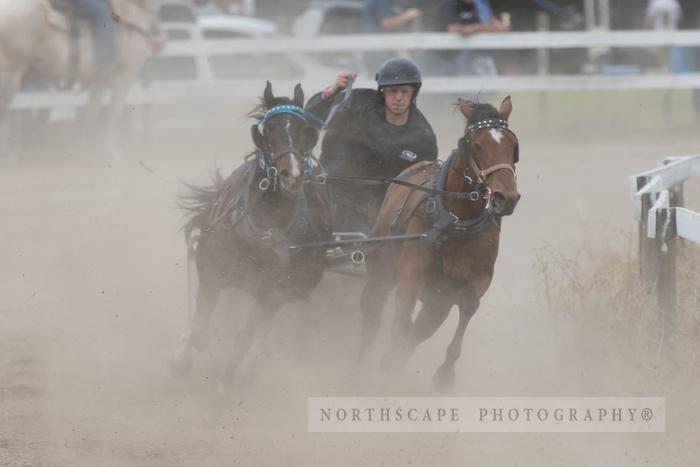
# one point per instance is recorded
(658, 202)
(300, 50)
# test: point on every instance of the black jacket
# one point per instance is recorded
(359, 141)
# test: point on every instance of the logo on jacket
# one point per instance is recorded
(408, 155)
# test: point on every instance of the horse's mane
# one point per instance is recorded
(199, 201)
(261, 109)
(482, 112)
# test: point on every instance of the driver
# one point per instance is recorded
(374, 133)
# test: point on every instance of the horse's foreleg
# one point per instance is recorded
(258, 322)
(198, 335)
(207, 298)
(445, 375)
(432, 314)
(409, 283)
(380, 281)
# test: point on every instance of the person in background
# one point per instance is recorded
(666, 15)
(465, 18)
(384, 16)
(381, 16)
(663, 14)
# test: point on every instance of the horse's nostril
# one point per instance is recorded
(504, 205)
(499, 202)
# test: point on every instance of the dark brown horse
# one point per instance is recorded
(455, 264)
(240, 229)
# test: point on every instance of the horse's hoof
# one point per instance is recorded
(181, 363)
(444, 379)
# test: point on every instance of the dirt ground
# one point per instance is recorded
(93, 287)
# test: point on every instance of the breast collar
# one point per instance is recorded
(446, 225)
(245, 226)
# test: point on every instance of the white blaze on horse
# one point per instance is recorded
(34, 34)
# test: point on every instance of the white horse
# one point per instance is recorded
(34, 34)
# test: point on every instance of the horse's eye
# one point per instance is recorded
(477, 147)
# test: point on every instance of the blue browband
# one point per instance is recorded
(296, 112)
(292, 110)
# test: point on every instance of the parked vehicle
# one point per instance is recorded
(182, 22)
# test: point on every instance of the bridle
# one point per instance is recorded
(267, 158)
(482, 174)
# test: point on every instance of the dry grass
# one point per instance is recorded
(599, 292)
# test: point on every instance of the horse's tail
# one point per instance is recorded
(199, 202)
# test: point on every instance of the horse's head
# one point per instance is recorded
(284, 136)
(492, 151)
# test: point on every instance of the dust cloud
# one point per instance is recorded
(94, 303)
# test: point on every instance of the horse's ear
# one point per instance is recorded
(506, 108)
(465, 109)
(268, 97)
(257, 137)
(298, 96)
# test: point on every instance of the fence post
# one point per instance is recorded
(646, 245)
(666, 251)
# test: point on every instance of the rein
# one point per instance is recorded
(481, 175)
(475, 195)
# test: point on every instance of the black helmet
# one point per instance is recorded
(397, 71)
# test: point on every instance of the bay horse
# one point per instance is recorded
(247, 222)
(34, 34)
(454, 265)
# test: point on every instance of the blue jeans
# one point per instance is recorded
(99, 13)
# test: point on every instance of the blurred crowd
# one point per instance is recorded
(420, 14)
(468, 17)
